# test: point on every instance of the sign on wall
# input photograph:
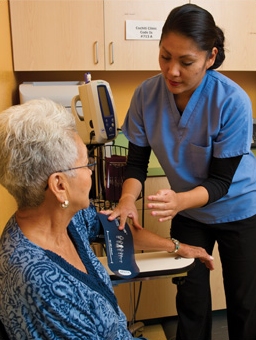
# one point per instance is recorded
(143, 30)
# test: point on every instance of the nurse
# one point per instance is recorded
(199, 125)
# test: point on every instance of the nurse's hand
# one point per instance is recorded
(164, 205)
(167, 203)
(125, 209)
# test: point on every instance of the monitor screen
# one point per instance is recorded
(104, 103)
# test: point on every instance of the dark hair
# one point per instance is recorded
(198, 24)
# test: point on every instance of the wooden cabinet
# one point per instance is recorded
(237, 19)
(57, 35)
(83, 34)
(123, 54)
(91, 35)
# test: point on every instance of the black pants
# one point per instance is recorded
(237, 249)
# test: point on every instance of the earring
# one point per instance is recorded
(65, 204)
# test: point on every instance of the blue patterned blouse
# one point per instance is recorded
(44, 297)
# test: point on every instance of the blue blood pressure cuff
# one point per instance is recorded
(119, 248)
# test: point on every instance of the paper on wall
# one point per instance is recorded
(143, 30)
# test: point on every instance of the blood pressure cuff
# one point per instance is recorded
(119, 248)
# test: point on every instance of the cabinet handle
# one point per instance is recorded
(111, 53)
(96, 54)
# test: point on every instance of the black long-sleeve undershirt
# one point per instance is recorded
(221, 171)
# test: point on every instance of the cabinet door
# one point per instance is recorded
(122, 54)
(57, 34)
(237, 19)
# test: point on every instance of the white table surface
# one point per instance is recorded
(154, 265)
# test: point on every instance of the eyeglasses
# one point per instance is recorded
(90, 166)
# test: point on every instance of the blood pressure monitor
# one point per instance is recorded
(97, 123)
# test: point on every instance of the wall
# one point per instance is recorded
(7, 91)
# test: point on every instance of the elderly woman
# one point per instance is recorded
(52, 286)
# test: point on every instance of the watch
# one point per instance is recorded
(177, 245)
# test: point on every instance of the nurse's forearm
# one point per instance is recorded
(194, 198)
(131, 189)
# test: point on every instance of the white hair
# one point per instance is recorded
(36, 140)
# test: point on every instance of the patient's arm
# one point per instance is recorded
(145, 240)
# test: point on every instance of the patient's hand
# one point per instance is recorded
(188, 251)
